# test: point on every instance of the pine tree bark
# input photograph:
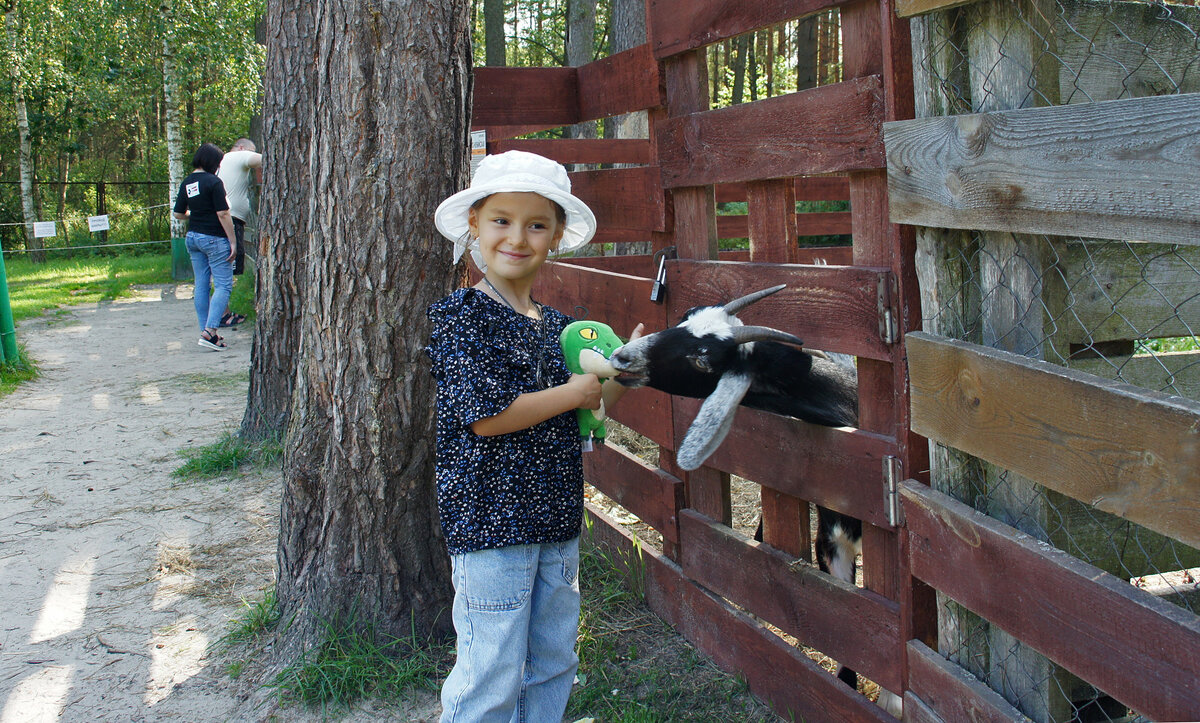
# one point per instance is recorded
(283, 218)
(12, 22)
(359, 533)
(171, 104)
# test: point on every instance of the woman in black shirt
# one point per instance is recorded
(210, 240)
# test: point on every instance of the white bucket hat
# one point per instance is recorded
(515, 172)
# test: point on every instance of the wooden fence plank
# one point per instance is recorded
(808, 188)
(795, 686)
(856, 627)
(681, 25)
(840, 469)
(579, 150)
(627, 198)
(908, 8)
(1175, 372)
(830, 129)
(807, 224)
(617, 300)
(952, 693)
(1125, 450)
(1095, 625)
(648, 412)
(649, 493)
(1131, 176)
(525, 96)
(620, 83)
(833, 308)
(643, 264)
(1126, 291)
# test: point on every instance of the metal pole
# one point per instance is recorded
(8, 331)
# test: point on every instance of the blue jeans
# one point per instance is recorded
(516, 612)
(210, 264)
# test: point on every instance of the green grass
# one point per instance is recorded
(241, 301)
(258, 616)
(351, 663)
(226, 456)
(35, 288)
(14, 373)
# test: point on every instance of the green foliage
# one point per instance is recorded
(14, 372)
(226, 456)
(354, 660)
(241, 301)
(258, 616)
(1167, 345)
(34, 288)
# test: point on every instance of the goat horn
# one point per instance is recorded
(737, 305)
(743, 334)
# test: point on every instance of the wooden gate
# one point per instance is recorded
(749, 605)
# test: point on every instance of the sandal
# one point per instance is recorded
(210, 340)
(231, 319)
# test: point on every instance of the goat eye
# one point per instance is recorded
(700, 363)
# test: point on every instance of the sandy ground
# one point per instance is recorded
(115, 578)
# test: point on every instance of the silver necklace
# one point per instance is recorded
(539, 373)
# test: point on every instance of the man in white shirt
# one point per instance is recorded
(237, 168)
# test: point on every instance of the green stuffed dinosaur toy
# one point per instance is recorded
(587, 345)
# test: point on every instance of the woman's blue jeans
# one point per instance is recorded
(516, 612)
(210, 264)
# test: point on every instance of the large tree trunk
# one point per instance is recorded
(494, 44)
(283, 218)
(171, 103)
(359, 532)
(28, 209)
(581, 39)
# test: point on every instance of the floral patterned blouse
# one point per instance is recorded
(524, 487)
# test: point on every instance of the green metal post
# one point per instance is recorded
(8, 330)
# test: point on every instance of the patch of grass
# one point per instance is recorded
(34, 288)
(355, 661)
(16, 372)
(241, 300)
(226, 456)
(633, 668)
(258, 616)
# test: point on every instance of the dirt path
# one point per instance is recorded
(114, 577)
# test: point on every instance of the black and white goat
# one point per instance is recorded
(711, 355)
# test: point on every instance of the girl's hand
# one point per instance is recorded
(587, 386)
(637, 332)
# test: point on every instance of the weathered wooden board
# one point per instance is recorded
(795, 686)
(830, 129)
(841, 469)
(807, 224)
(808, 188)
(1117, 290)
(1095, 625)
(681, 25)
(525, 96)
(1175, 372)
(649, 493)
(620, 83)
(908, 8)
(623, 198)
(647, 412)
(856, 627)
(833, 308)
(620, 301)
(1125, 450)
(580, 150)
(951, 693)
(1132, 176)
(644, 265)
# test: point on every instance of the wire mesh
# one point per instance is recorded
(1123, 311)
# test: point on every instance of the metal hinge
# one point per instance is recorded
(893, 472)
(889, 325)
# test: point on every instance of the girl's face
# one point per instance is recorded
(516, 232)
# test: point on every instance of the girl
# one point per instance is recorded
(210, 240)
(509, 466)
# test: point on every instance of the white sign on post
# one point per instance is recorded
(42, 229)
(98, 223)
(478, 149)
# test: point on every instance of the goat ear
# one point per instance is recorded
(713, 421)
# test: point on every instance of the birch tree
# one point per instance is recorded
(171, 103)
(12, 21)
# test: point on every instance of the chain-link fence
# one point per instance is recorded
(1120, 310)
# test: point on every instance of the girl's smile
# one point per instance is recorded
(516, 233)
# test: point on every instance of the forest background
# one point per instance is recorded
(93, 84)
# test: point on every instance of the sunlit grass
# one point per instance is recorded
(226, 456)
(33, 288)
(16, 371)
